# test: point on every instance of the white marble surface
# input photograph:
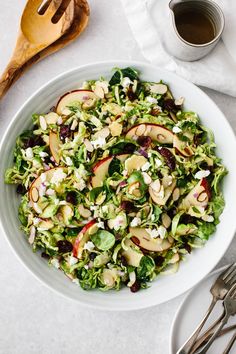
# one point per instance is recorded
(34, 320)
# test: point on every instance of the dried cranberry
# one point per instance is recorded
(33, 141)
(144, 141)
(20, 189)
(65, 132)
(131, 94)
(188, 248)
(92, 256)
(124, 261)
(45, 255)
(127, 206)
(89, 155)
(159, 261)
(129, 148)
(187, 219)
(168, 156)
(135, 287)
(169, 105)
(64, 246)
(71, 198)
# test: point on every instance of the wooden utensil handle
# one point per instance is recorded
(10, 75)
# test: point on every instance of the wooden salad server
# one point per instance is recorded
(41, 25)
(79, 23)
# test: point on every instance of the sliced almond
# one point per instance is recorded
(156, 186)
(147, 179)
(34, 194)
(74, 124)
(88, 145)
(166, 220)
(179, 101)
(176, 194)
(174, 259)
(160, 89)
(42, 123)
(202, 197)
(167, 181)
(85, 213)
(140, 130)
(99, 91)
(51, 118)
(103, 133)
(133, 187)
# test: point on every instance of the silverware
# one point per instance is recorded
(229, 310)
(218, 290)
(230, 344)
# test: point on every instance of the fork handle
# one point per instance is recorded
(204, 349)
(187, 346)
(230, 345)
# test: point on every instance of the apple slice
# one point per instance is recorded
(54, 145)
(34, 190)
(132, 257)
(198, 197)
(142, 239)
(155, 131)
(86, 98)
(82, 238)
(181, 147)
(100, 170)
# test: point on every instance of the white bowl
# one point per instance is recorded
(196, 266)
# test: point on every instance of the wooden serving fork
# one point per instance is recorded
(41, 25)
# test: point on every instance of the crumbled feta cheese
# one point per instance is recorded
(126, 82)
(152, 217)
(146, 166)
(162, 231)
(176, 129)
(158, 162)
(118, 222)
(58, 176)
(43, 154)
(201, 174)
(50, 191)
(43, 177)
(100, 225)
(69, 162)
(59, 120)
(55, 263)
(72, 260)
(86, 266)
(99, 142)
(89, 246)
(94, 207)
(105, 208)
(135, 222)
(42, 190)
(151, 99)
(80, 185)
(154, 233)
(208, 218)
(125, 173)
(36, 221)
(29, 153)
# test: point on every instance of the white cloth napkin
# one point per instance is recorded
(147, 19)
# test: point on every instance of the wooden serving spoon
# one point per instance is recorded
(37, 32)
(79, 23)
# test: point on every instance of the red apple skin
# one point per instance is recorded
(78, 238)
(67, 93)
(99, 163)
(206, 186)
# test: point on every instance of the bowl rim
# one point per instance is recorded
(115, 63)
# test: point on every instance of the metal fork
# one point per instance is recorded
(218, 290)
(230, 310)
(230, 345)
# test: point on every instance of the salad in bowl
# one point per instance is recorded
(118, 182)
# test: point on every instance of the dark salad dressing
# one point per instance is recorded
(194, 26)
